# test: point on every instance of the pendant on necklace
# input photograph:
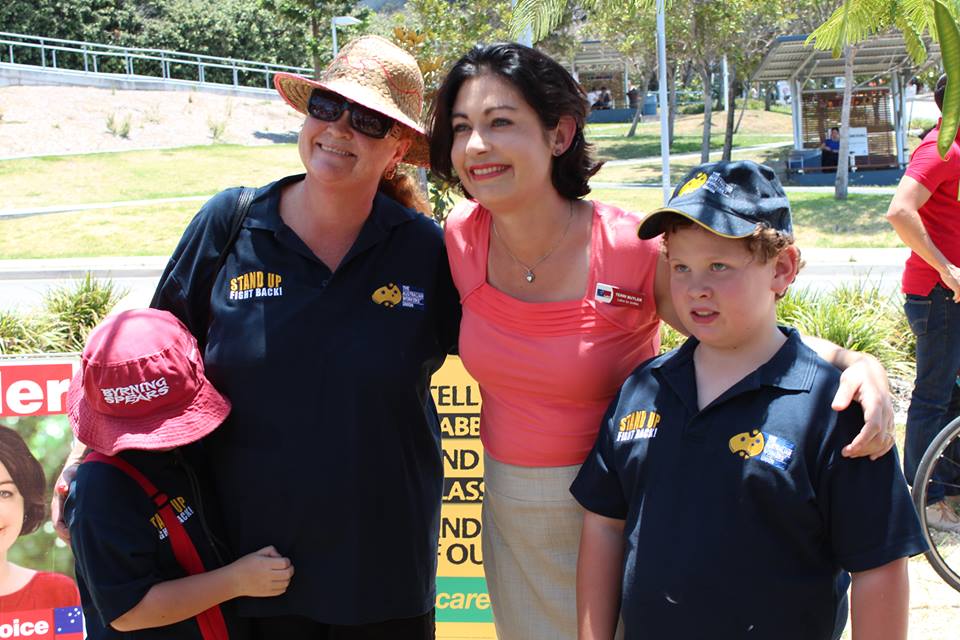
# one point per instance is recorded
(530, 277)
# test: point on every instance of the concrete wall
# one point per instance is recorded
(20, 74)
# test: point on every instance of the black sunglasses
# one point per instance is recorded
(328, 106)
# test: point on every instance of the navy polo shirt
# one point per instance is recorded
(332, 450)
(121, 546)
(742, 519)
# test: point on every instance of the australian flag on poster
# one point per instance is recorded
(68, 623)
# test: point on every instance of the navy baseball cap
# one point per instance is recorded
(728, 198)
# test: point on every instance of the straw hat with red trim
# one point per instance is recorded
(376, 73)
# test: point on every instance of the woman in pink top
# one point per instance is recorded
(561, 301)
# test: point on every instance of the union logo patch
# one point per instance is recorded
(388, 295)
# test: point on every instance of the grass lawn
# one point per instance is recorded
(204, 170)
(143, 231)
(649, 172)
(646, 144)
(141, 175)
(818, 219)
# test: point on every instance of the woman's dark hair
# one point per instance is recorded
(546, 86)
(27, 474)
(939, 90)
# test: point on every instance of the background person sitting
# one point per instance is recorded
(830, 150)
(605, 101)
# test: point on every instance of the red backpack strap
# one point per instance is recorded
(211, 622)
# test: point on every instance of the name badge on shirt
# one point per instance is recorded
(609, 294)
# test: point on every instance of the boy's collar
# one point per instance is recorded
(792, 368)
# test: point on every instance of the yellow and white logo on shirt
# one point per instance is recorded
(638, 425)
(256, 284)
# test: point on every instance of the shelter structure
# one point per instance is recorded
(878, 120)
(599, 65)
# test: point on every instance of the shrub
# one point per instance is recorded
(854, 316)
(79, 307)
(119, 127)
(35, 333)
(217, 128)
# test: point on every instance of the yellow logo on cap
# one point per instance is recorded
(693, 184)
(747, 445)
(388, 295)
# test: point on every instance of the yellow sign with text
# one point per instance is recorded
(463, 605)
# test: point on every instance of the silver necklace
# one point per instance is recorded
(528, 273)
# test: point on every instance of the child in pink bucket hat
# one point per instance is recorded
(141, 519)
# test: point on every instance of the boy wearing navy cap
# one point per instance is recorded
(148, 564)
(718, 502)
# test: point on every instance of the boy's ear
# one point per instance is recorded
(785, 269)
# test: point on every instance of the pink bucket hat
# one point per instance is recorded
(141, 386)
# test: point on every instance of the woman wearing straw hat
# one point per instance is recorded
(332, 309)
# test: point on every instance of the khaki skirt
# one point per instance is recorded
(531, 536)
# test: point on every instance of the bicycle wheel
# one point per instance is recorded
(941, 460)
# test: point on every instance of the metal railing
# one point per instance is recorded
(90, 57)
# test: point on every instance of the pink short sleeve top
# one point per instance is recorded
(548, 370)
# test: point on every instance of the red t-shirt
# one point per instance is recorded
(44, 591)
(940, 214)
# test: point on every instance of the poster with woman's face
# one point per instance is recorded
(38, 593)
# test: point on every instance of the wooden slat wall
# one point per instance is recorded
(870, 109)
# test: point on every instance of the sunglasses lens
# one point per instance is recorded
(368, 122)
(329, 107)
(325, 106)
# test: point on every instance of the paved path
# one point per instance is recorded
(88, 206)
(23, 283)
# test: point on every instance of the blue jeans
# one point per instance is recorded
(935, 321)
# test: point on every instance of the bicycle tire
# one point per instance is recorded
(944, 553)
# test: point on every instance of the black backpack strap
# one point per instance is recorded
(239, 214)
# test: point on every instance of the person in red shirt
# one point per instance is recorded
(925, 213)
(22, 511)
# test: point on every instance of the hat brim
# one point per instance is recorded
(295, 91)
(173, 427)
(710, 218)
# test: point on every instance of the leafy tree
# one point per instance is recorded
(317, 14)
(437, 33)
(637, 45)
(228, 28)
(447, 29)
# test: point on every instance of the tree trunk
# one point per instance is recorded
(767, 98)
(843, 155)
(731, 115)
(743, 109)
(315, 31)
(640, 100)
(707, 112)
(636, 119)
